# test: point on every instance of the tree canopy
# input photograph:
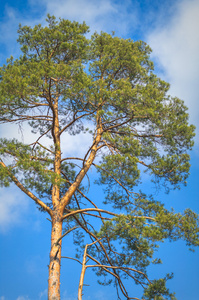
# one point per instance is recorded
(105, 86)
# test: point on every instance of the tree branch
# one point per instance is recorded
(27, 192)
(67, 232)
(87, 209)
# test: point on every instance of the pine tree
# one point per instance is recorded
(106, 87)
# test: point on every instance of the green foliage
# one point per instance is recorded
(157, 288)
(64, 82)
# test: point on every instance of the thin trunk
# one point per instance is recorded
(81, 281)
(55, 261)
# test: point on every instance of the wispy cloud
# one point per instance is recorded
(9, 25)
(66, 296)
(13, 207)
(23, 298)
(175, 48)
(100, 15)
(43, 294)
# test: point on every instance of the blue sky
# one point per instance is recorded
(171, 29)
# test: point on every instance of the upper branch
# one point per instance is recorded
(66, 198)
(73, 121)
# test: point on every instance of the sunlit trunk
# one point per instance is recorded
(55, 261)
(81, 281)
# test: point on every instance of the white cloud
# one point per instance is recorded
(76, 145)
(2, 298)
(22, 133)
(71, 145)
(23, 298)
(78, 9)
(98, 14)
(175, 48)
(13, 206)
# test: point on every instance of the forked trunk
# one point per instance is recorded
(55, 261)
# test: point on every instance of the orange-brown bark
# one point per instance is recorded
(57, 161)
(56, 233)
(55, 260)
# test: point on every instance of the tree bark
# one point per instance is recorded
(81, 281)
(55, 260)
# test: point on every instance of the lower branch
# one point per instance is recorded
(26, 191)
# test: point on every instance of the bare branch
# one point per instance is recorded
(37, 141)
(119, 124)
(67, 232)
(73, 121)
(72, 259)
(121, 268)
(88, 209)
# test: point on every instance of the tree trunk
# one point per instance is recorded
(81, 281)
(55, 260)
